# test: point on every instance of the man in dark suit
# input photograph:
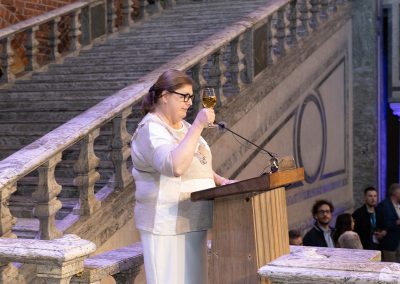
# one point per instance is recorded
(321, 234)
(390, 208)
(367, 223)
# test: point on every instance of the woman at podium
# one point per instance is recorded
(171, 160)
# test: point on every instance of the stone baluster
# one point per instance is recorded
(31, 48)
(7, 59)
(237, 64)
(247, 48)
(280, 33)
(7, 219)
(121, 151)
(198, 83)
(170, 3)
(75, 31)
(111, 16)
(271, 41)
(217, 75)
(46, 198)
(54, 39)
(127, 13)
(332, 6)
(292, 19)
(126, 276)
(87, 175)
(314, 9)
(323, 14)
(143, 13)
(304, 18)
(156, 7)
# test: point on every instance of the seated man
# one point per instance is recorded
(321, 234)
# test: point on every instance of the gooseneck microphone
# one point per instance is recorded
(274, 163)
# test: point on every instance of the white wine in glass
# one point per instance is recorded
(208, 98)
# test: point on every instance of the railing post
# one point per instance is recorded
(249, 55)
(304, 19)
(75, 31)
(7, 60)
(7, 219)
(217, 74)
(54, 40)
(121, 150)
(46, 198)
(324, 10)
(292, 18)
(280, 34)
(144, 14)
(198, 83)
(314, 14)
(237, 65)
(87, 175)
(111, 17)
(127, 11)
(31, 48)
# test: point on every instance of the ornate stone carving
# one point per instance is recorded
(121, 150)
(46, 197)
(198, 83)
(87, 175)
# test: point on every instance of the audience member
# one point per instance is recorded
(390, 208)
(344, 236)
(368, 223)
(321, 234)
(295, 238)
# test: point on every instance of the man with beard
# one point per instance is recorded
(321, 234)
(368, 222)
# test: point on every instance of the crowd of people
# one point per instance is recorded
(373, 226)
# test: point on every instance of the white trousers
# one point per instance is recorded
(177, 259)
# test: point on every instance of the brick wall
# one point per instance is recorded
(19, 10)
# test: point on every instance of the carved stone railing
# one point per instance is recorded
(252, 45)
(56, 260)
(87, 21)
(328, 265)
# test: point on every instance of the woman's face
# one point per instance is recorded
(175, 106)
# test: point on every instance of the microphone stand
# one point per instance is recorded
(274, 163)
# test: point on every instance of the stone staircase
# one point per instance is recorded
(36, 104)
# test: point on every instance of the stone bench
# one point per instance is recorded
(56, 260)
(124, 264)
(327, 265)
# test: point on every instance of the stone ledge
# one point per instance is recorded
(327, 265)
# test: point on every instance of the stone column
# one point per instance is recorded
(365, 92)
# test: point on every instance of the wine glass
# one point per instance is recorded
(209, 100)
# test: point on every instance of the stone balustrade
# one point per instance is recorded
(56, 260)
(88, 20)
(327, 265)
(228, 61)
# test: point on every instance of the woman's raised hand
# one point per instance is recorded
(205, 117)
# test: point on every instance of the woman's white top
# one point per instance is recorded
(163, 203)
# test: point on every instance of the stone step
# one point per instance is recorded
(38, 116)
(54, 95)
(78, 68)
(53, 105)
(26, 228)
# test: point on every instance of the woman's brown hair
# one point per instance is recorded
(170, 80)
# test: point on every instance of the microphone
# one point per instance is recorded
(274, 163)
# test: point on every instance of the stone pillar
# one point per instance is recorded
(365, 92)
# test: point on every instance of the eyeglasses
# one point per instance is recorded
(323, 212)
(186, 97)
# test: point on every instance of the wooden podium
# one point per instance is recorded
(250, 226)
